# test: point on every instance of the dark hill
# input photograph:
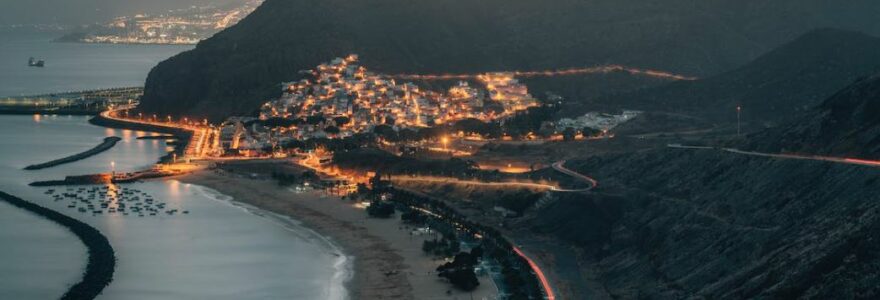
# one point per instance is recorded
(793, 78)
(685, 224)
(237, 69)
(708, 224)
(846, 124)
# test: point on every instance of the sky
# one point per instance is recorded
(79, 12)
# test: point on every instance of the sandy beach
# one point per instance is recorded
(388, 262)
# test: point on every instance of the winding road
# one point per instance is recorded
(839, 160)
(545, 284)
(560, 167)
(553, 73)
(451, 180)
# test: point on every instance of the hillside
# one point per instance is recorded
(791, 79)
(676, 224)
(846, 124)
(685, 223)
(239, 68)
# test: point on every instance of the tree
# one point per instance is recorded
(315, 120)
(380, 209)
(342, 120)
(477, 252)
(568, 134)
(590, 132)
(460, 272)
(385, 131)
(413, 217)
(277, 122)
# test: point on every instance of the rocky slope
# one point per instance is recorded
(236, 70)
(675, 224)
(791, 79)
(847, 124)
(682, 223)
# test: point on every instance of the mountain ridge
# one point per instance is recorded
(847, 124)
(241, 67)
(788, 80)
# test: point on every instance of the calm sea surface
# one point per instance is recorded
(71, 66)
(219, 251)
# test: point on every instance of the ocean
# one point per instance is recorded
(220, 250)
(72, 66)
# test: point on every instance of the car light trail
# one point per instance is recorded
(840, 160)
(545, 284)
(475, 182)
(554, 73)
(857, 161)
(560, 166)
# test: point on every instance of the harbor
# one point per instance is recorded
(108, 143)
(90, 102)
(201, 241)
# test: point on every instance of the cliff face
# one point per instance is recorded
(239, 68)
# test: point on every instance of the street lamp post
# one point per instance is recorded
(112, 170)
(738, 121)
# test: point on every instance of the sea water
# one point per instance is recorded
(220, 250)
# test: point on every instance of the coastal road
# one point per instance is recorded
(545, 284)
(530, 185)
(199, 145)
(560, 167)
(512, 184)
(554, 73)
(839, 160)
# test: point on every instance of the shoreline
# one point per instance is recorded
(343, 264)
(107, 144)
(387, 259)
(367, 280)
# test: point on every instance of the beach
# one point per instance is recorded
(388, 262)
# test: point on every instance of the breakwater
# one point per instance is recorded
(102, 259)
(109, 178)
(77, 180)
(183, 136)
(108, 143)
